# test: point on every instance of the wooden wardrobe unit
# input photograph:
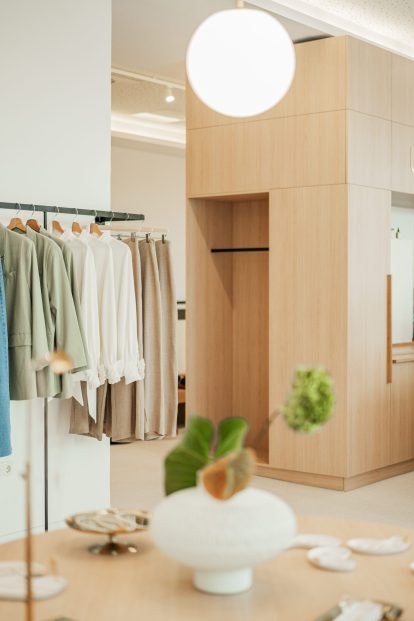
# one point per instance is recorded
(312, 181)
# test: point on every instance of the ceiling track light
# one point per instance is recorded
(169, 95)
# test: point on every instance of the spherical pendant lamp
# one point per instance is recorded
(240, 62)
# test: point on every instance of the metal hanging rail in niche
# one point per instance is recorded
(100, 217)
(214, 250)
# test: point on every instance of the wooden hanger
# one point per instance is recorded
(57, 228)
(16, 223)
(32, 222)
(94, 229)
(76, 227)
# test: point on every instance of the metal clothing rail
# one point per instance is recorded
(100, 217)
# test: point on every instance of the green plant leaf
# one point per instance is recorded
(311, 401)
(231, 433)
(192, 454)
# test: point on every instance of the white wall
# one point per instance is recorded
(55, 61)
(150, 179)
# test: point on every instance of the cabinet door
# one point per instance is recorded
(402, 158)
(402, 419)
(402, 90)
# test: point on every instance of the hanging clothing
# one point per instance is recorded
(68, 259)
(109, 365)
(5, 440)
(25, 318)
(84, 269)
(169, 373)
(151, 319)
(131, 366)
(70, 387)
(61, 321)
(124, 414)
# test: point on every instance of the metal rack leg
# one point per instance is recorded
(46, 438)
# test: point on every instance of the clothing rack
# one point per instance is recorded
(100, 218)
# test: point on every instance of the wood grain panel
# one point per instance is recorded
(308, 304)
(369, 79)
(251, 321)
(402, 177)
(209, 311)
(402, 413)
(319, 85)
(369, 151)
(402, 90)
(227, 314)
(368, 392)
(254, 157)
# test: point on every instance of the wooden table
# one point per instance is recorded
(151, 587)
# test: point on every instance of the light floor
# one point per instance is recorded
(137, 482)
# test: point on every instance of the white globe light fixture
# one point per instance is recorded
(240, 62)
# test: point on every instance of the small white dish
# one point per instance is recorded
(392, 545)
(309, 541)
(331, 558)
(412, 567)
(13, 581)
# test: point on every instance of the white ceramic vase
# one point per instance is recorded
(222, 540)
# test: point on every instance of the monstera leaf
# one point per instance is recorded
(195, 450)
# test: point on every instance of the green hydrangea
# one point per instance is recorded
(311, 401)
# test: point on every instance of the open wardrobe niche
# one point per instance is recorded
(229, 275)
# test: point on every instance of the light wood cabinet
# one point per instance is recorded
(369, 150)
(311, 181)
(402, 412)
(247, 157)
(402, 176)
(369, 79)
(402, 90)
(318, 85)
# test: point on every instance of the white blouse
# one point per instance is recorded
(84, 265)
(132, 367)
(110, 365)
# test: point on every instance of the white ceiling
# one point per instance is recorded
(151, 36)
(387, 23)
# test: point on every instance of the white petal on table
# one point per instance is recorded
(331, 558)
(392, 545)
(311, 540)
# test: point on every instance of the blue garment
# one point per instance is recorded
(5, 442)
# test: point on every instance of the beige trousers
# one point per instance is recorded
(169, 375)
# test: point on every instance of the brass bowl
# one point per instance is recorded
(113, 547)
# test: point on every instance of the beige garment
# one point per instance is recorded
(131, 395)
(120, 406)
(81, 422)
(169, 319)
(124, 403)
(151, 321)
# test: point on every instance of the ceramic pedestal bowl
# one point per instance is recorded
(222, 540)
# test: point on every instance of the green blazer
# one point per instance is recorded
(62, 327)
(25, 317)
